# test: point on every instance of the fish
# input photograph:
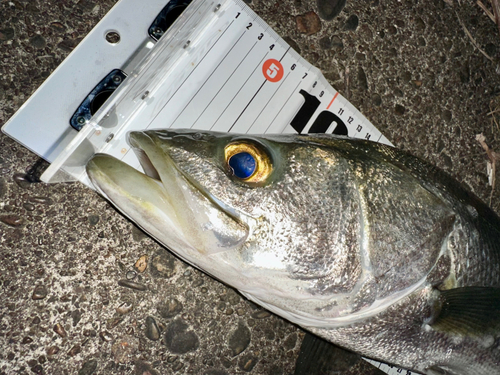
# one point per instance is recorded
(359, 243)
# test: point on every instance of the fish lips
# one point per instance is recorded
(165, 202)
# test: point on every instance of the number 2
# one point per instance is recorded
(249, 26)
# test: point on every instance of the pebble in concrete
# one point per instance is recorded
(152, 330)
(239, 339)
(41, 200)
(12, 220)
(329, 9)
(74, 350)
(88, 368)
(247, 362)
(123, 349)
(106, 336)
(162, 265)
(170, 308)
(3, 187)
(21, 180)
(113, 322)
(53, 350)
(262, 314)
(308, 23)
(93, 219)
(40, 292)
(141, 263)
(59, 329)
(352, 23)
(132, 285)
(125, 308)
(38, 42)
(179, 339)
(144, 368)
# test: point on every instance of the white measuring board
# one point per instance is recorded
(219, 67)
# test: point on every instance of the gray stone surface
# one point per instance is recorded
(72, 300)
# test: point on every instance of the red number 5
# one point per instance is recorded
(272, 70)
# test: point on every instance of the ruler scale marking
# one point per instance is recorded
(256, 93)
(234, 98)
(173, 95)
(268, 103)
(210, 76)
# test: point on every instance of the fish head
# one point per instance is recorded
(277, 217)
(189, 197)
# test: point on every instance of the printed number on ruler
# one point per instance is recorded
(272, 70)
(323, 110)
(390, 369)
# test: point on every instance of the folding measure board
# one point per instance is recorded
(217, 67)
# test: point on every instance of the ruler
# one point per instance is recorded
(219, 67)
(390, 369)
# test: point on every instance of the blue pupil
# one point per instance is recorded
(243, 164)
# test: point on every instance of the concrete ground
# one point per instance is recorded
(75, 300)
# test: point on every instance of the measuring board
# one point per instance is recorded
(218, 67)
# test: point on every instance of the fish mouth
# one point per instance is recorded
(166, 202)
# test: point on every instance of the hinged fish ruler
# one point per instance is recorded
(218, 67)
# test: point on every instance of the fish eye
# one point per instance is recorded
(248, 161)
(242, 164)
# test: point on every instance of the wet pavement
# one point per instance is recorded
(83, 291)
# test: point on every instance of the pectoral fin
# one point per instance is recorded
(468, 311)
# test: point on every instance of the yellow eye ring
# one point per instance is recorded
(248, 161)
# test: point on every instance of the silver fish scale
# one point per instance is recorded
(403, 222)
(326, 233)
(397, 334)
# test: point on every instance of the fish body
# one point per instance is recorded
(362, 244)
